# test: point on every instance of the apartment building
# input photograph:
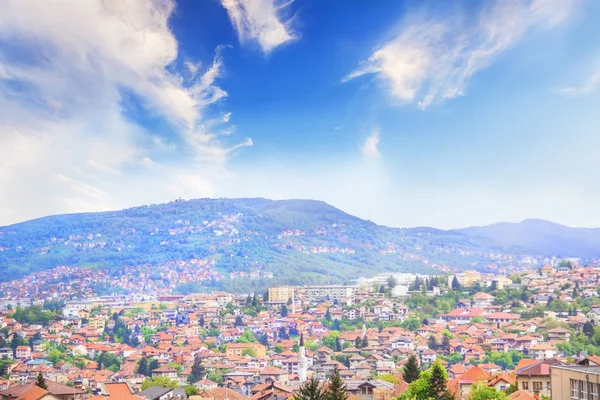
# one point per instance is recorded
(332, 292)
(575, 382)
(281, 294)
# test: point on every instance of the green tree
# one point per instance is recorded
(411, 371)
(455, 284)
(198, 370)
(311, 390)
(481, 391)
(438, 380)
(152, 365)
(391, 282)
(159, 381)
(190, 390)
(432, 343)
(588, 329)
(365, 342)
(249, 352)
(142, 367)
(336, 389)
(284, 311)
(41, 382)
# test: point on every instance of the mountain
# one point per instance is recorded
(537, 236)
(297, 241)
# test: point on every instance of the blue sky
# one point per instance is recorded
(408, 113)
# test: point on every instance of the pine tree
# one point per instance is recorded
(201, 321)
(365, 342)
(338, 344)
(455, 284)
(327, 315)
(337, 389)
(446, 344)
(41, 382)
(411, 370)
(588, 329)
(198, 370)
(284, 311)
(142, 368)
(152, 365)
(432, 343)
(311, 390)
(357, 342)
(437, 381)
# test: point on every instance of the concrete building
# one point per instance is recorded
(281, 294)
(575, 382)
(332, 292)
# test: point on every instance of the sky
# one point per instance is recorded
(407, 113)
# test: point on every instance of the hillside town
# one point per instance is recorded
(525, 336)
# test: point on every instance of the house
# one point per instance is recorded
(158, 393)
(6, 353)
(594, 314)
(375, 389)
(238, 349)
(165, 371)
(482, 300)
(23, 352)
(502, 381)
(36, 393)
(463, 316)
(61, 392)
(502, 318)
(115, 391)
(535, 377)
(543, 351)
(559, 333)
(471, 376)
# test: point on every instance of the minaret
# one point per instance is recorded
(302, 362)
(364, 330)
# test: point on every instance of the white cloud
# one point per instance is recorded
(431, 59)
(590, 84)
(68, 71)
(370, 148)
(258, 20)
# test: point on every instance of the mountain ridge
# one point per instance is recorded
(297, 241)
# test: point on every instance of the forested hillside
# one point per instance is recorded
(298, 241)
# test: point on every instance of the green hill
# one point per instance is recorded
(299, 241)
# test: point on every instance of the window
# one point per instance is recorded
(574, 389)
(537, 386)
(583, 390)
(525, 385)
(594, 391)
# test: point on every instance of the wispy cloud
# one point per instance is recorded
(259, 20)
(65, 76)
(587, 87)
(432, 59)
(370, 148)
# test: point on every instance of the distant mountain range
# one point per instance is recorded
(538, 236)
(299, 241)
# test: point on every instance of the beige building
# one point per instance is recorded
(237, 349)
(575, 382)
(281, 294)
(466, 278)
(535, 378)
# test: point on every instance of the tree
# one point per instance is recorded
(239, 321)
(455, 284)
(357, 342)
(201, 321)
(338, 344)
(411, 371)
(481, 391)
(311, 390)
(152, 365)
(41, 382)
(588, 329)
(337, 389)
(198, 370)
(327, 315)
(445, 344)
(142, 368)
(159, 381)
(432, 343)
(249, 352)
(438, 380)
(391, 282)
(284, 311)
(190, 390)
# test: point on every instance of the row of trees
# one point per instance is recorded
(313, 390)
